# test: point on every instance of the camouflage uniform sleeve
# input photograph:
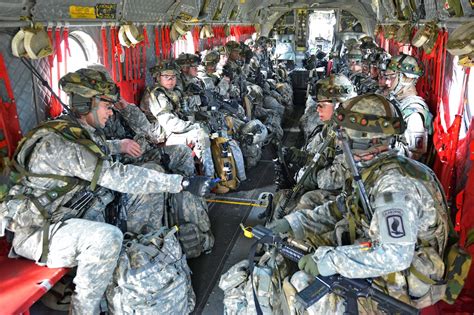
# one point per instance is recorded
(393, 233)
(55, 155)
(113, 146)
(136, 119)
(334, 176)
(307, 221)
(163, 111)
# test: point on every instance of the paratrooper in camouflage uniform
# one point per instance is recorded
(402, 242)
(164, 104)
(62, 159)
(401, 76)
(328, 177)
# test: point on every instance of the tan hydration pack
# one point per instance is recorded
(224, 162)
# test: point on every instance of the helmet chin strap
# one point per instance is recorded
(95, 116)
(402, 84)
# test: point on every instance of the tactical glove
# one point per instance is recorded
(295, 156)
(199, 185)
(280, 226)
(307, 264)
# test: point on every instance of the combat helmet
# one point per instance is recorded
(231, 46)
(262, 41)
(254, 131)
(461, 41)
(165, 66)
(369, 117)
(367, 43)
(211, 58)
(380, 58)
(188, 60)
(406, 64)
(355, 54)
(336, 87)
(85, 84)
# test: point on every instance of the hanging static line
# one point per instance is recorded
(261, 201)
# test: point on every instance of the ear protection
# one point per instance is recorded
(80, 105)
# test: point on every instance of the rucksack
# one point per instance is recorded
(151, 277)
(189, 213)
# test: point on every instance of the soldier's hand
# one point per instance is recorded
(130, 147)
(307, 264)
(280, 226)
(121, 104)
(199, 185)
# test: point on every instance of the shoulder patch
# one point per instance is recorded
(395, 226)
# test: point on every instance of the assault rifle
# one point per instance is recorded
(211, 100)
(310, 169)
(349, 289)
(215, 101)
(364, 199)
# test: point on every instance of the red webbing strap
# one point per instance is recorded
(8, 113)
(142, 75)
(119, 63)
(440, 65)
(136, 62)
(56, 108)
(330, 64)
(113, 39)
(163, 42)
(51, 62)
(168, 41)
(196, 38)
(50, 57)
(105, 46)
(127, 64)
(157, 46)
(145, 45)
(67, 52)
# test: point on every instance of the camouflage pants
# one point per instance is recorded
(308, 200)
(202, 146)
(312, 199)
(179, 158)
(94, 248)
(144, 211)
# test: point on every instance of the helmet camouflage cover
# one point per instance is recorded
(89, 83)
(355, 53)
(165, 65)
(211, 58)
(232, 46)
(188, 60)
(407, 65)
(369, 116)
(336, 86)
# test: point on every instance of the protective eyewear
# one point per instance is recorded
(168, 77)
(106, 100)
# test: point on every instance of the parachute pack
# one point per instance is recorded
(224, 162)
(151, 277)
